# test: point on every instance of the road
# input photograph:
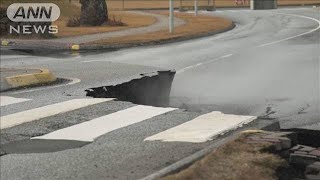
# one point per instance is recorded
(267, 66)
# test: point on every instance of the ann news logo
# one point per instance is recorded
(31, 18)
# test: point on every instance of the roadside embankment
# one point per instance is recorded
(258, 155)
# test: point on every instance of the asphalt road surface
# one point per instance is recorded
(268, 66)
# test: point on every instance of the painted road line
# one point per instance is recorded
(203, 63)
(202, 128)
(90, 130)
(47, 111)
(7, 100)
(299, 35)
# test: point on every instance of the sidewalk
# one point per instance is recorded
(15, 77)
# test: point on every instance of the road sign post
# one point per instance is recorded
(171, 17)
(196, 7)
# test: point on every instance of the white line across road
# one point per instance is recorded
(202, 128)
(47, 111)
(7, 100)
(90, 130)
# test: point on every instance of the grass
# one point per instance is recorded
(199, 25)
(236, 160)
(131, 20)
(194, 26)
(136, 4)
(69, 10)
(145, 4)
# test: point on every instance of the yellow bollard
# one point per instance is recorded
(4, 43)
(75, 47)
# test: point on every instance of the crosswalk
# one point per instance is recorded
(203, 128)
(90, 130)
(7, 100)
(46, 111)
(200, 129)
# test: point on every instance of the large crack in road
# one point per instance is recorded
(151, 89)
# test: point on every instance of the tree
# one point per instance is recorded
(93, 12)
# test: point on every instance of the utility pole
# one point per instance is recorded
(171, 17)
(196, 7)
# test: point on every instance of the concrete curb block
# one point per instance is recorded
(257, 125)
(45, 76)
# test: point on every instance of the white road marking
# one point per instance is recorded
(292, 37)
(90, 130)
(73, 81)
(91, 61)
(8, 57)
(202, 63)
(46, 111)
(202, 128)
(292, 9)
(7, 100)
(262, 45)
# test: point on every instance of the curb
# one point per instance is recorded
(45, 76)
(257, 125)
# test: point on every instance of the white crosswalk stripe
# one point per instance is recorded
(90, 130)
(47, 111)
(7, 100)
(198, 130)
(202, 128)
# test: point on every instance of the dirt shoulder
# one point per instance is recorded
(259, 155)
(236, 160)
(194, 27)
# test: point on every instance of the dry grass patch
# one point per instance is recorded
(235, 160)
(154, 4)
(298, 2)
(194, 26)
(132, 20)
(72, 10)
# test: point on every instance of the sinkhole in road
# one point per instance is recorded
(150, 89)
(154, 89)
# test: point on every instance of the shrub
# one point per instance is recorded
(73, 22)
(115, 22)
